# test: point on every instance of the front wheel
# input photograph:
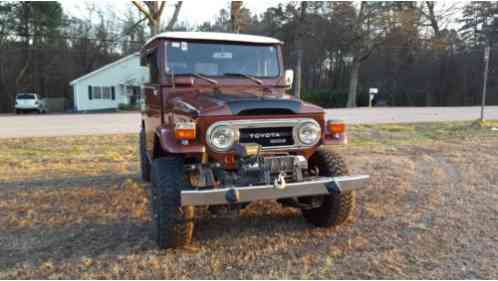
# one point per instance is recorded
(334, 208)
(173, 224)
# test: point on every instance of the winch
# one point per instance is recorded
(256, 168)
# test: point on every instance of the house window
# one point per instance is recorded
(98, 92)
(106, 93)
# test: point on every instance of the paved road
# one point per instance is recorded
(111, 123)
(379, 115)
(68, 124)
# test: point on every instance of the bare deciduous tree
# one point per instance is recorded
(153, 10)
(366, 37)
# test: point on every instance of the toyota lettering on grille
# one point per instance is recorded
(278, 136)
(264, 135)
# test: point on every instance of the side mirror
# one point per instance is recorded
(289, 78)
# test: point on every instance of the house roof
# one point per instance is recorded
(107, 66)
(217, 36)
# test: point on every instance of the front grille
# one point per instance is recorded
(267, 137)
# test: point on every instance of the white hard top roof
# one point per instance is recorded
(216, 36)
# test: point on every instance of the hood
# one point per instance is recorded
(242, 102)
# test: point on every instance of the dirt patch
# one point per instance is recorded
(78, 210)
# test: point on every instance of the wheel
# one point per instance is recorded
(173, 225)
(334, 208)
(144, 160)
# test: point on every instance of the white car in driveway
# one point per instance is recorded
(30, 102)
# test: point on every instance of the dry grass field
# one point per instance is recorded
(74, 207)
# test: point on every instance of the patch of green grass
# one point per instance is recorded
(488, 124)
(419, 132)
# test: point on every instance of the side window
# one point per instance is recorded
(153, 67)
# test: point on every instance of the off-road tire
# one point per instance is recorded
(173, 225)
(335, 207)
(144, 160)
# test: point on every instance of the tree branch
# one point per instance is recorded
(174, 18)
(161, 9)
(143, 10)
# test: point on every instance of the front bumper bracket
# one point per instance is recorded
(230, 195)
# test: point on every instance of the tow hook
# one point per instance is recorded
(279, 182)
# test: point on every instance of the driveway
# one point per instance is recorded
(112, 123)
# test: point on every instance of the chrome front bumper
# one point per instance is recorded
(230, 195)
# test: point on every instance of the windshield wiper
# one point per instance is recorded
(200, 76)
(250, 77)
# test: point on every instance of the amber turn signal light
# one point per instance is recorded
(185, 131)
(336, 127)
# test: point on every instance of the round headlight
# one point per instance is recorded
(309, 133)
(222, 138)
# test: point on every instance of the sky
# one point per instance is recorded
(192, 12)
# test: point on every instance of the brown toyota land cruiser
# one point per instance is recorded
(219, 131)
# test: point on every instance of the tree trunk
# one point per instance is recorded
(155, 22)
(154, 27)
(235, 7)
(298, 75)
(298, 39)
(353, 83)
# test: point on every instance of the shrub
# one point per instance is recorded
(128, 107)
(326, 98)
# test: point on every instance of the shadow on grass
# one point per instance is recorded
(209, 229)
(122, 235)
(58, 243)
(77, 241)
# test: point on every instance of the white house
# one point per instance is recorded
(111, 85)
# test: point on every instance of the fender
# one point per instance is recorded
(169, 143)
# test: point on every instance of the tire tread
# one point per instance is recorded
(173, 224)
(336, 208)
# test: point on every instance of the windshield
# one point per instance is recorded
(25, 97)
(218, 59)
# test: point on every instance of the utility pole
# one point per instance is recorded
(485, 82)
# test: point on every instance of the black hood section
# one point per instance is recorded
(250, 104)
(266, 106)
